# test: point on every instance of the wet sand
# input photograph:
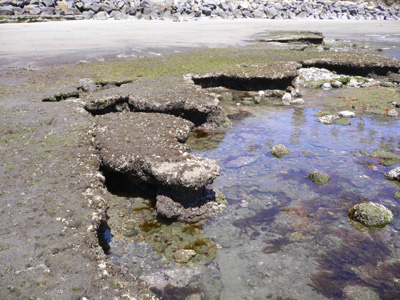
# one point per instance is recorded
(42, 44)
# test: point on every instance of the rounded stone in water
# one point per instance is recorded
(371, 214)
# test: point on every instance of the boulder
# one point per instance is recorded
(279, 151)
(371, 214)
(87, 85)
(393, 174)
(318, 178)
(6, 11)
(346, 114)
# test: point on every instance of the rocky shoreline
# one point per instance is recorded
(37, 10)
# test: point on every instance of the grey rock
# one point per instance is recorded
(49, 3)
(346, 114)
(87, 85)
(328, 119)
(287, 97)
(87, 15)
(336, 84)
(326, 86)
(393, 174)
(32, 10)
(47, 11)
(101, 16)
(95, 7)
(298, 101)
(6, 11)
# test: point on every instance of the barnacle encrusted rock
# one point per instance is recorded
(148, 147)
(371, 214)
(170, 95)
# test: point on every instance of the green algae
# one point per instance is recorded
(397, 195)
(388, 163)
(384, 154)
(371, 214)
(342, 121)
(279, 151)
(374, 100)
(322, 114)
(318, 178)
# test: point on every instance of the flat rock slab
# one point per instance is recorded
(311, 37)
(172, 95)
(361, 64)
(275, 75)
(148, 147)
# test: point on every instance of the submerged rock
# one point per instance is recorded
(327, 119)
(287, 97)
(298, 101)
(322, 113)
(319, 178)
(397, 195)
(184, 255)
(279, 151)
(342, 121)
(383, 154)
(371, 214)
(393, 174)
(392, 113)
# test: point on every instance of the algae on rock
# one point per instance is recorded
(371, 214)
(319, 178)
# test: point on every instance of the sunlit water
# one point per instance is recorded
(280, 229)
(282, 235)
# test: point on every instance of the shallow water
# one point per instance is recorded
(280, 234)
(279, 229)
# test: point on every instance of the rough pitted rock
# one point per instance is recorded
(371, 214)
(164, 95)
(148, 147)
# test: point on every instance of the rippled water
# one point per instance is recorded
(280, 236)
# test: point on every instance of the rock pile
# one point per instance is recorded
(191, 9)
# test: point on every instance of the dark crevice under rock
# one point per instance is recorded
(244, 84)
(352, 69)
(145, 149)
(104, 236)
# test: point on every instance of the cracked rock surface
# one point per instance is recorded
(171, 95)
(147, 147)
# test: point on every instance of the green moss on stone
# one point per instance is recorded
(371, 214)
(388, 163)
(279, 151)
(321, 114)
(397, 195)
(383, 154)
(318, 178)
(344, 79)
(342, 121)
